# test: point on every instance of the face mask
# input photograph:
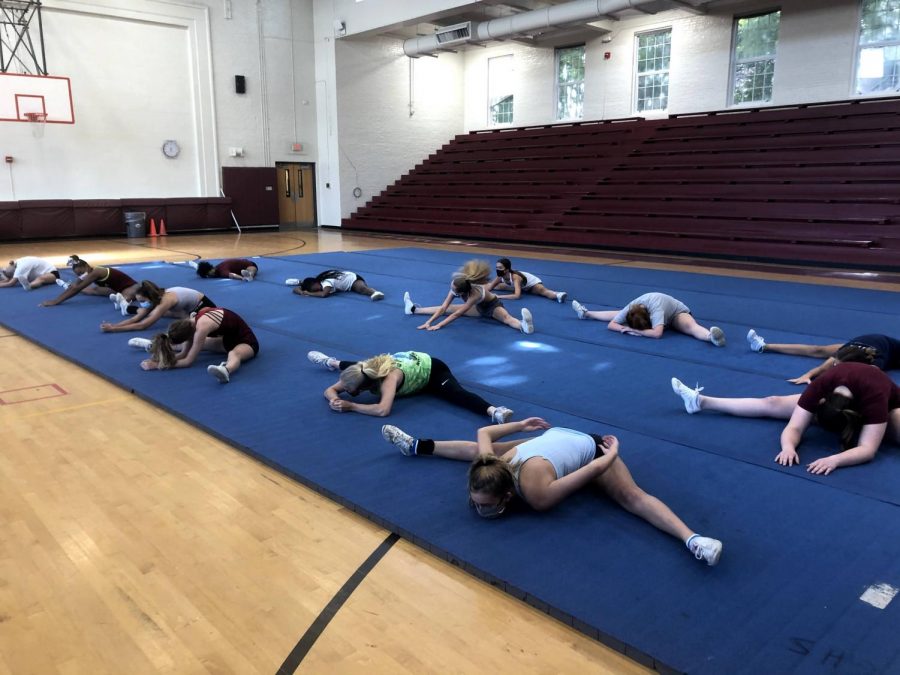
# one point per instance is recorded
(489, 510)
(146, 304)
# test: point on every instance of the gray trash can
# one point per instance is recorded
(135, 224)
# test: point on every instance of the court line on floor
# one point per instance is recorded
(77, 407)
(293, 660)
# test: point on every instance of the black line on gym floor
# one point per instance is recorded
(318, 626)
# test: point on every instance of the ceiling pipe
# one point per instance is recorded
(538, 19)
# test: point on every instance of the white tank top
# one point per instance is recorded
(188, 299)
(566, 449)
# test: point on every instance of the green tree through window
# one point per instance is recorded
(570, 83)
(755, 41)
(654, 51)
(878, 57)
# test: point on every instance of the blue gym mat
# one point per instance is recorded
(799, 549)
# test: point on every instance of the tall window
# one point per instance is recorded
(500, 90)
(652, 85)
(755, 39)
(878, 61)
(570, 83)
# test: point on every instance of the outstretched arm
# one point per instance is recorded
(791, 436)
(517, 289)
(380, 409)
(486, 436)
(870, 438)
(812, 374)
(73, 289)
(656, 332)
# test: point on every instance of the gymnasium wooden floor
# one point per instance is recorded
(133, 543)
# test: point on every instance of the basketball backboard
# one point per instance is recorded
(46, 94)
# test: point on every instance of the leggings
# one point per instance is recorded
(445, 386)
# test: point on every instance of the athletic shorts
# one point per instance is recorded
(486, 307)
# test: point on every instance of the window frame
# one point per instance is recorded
(489, 121)
(556, 86)
(637, 74)
(732, 69)
(854, 75)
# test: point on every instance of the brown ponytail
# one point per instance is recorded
(491, 474)
(834, 414)
(162, 349)
(151, 291)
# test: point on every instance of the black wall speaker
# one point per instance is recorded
(240, 84)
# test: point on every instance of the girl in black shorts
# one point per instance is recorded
(468, 285)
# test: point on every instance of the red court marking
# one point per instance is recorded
(35, 393)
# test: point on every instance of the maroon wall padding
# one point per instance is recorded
(154, 208)
(47, 218)
(251, 201)
(218, 213)
(188, 213)
(98, 217)
(10, 221)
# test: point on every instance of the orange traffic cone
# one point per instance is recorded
(152, 228)
(162, 227)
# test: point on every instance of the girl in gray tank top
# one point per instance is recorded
(543, 471)
(153, 303)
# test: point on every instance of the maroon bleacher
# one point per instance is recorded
(816, 183)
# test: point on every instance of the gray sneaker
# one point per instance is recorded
(756, 341)
(220, 372)
(400, 438)
(580, 309)
(717, 336)
(705, 548)
(501, 415)
(691, 397)
(526, 325)
(321, 359)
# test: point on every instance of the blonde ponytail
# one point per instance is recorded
(376, 368)
(475, 272)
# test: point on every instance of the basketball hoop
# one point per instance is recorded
(38, 120)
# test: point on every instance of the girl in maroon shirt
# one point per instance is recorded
(213, 329)
(108, 282)
(856, 401)
(232, 268)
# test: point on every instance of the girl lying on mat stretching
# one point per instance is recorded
(29, 272)
(649, 315)
(546, 469)
(334, 281)
(154, 303)
(854, 400)
(212, 328)
(108, 281)
(400, 374)
(521, 282)
(881, 351)
(232, 268)
(468, 285)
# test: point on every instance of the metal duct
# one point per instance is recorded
(548, 17)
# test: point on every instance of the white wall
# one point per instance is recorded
(144, 71)
(379, 138)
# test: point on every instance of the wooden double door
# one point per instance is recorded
(296, 193)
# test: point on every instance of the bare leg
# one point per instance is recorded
(618, 484)
(361, 288)
(97, 290)
(543, 291)
(817, 351)
(687, 324)
(500, 314)
(213, 344)
(468, 450)
(449, 310)
(243, 352)
(597, 315)
(43, 279)
(778, 407)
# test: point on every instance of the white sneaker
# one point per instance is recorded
(580, 309)
(122, 304)
(291, 282)
(526, 324)
(400, 438)
(220, 372)
(246, 276)
(717, 336)
(140, 343)
(408, 305)
(63, 284)
(376, 296)
(321, 359)
(193, 263)
(705, 548)
(691, 397)
(561, 297)
(756, 341)
(501, 415)
(114, 299)
(23, 281)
